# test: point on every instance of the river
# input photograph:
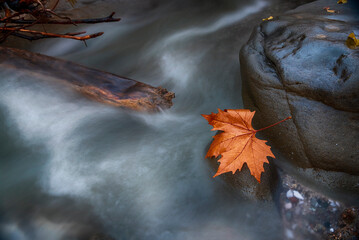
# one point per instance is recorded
(71, 167)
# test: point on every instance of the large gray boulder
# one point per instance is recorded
(298, 65)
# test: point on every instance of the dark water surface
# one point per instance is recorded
(71, 168)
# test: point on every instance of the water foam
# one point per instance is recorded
(144, 175)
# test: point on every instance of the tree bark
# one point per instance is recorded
(98, 85)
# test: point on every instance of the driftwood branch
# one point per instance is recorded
(33, 38)
(96, 85)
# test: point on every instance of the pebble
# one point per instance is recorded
(320, 36)
(331, 28)
(294, 200)
(298, 195)
(323, 203)
(293, 193)
(332, 203)
(288, 206)
(290, 194)
(314, 203)
(289, 233)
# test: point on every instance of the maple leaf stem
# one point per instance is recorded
(274, 124)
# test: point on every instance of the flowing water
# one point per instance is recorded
(71, 167)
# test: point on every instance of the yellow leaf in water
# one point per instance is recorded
(342, 1)
(72, 2)
(329, 10)
(352, 42)
(268, 18)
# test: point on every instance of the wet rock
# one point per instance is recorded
(313, 215)
(101, 86)
(245, 185)
(348, 226)
(298, 65)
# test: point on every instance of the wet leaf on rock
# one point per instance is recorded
(72, 2)
(352, 42)
(268, 18)
(237, 144)
(329, 10)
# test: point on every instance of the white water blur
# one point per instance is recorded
(144, 175)
(222, 22)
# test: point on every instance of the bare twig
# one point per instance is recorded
(33, 38)
(18, 23)
(40, 35)
(56, 3)
(74, 21)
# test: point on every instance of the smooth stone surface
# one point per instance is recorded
(98, 85)
(244, 185)
(298, 65)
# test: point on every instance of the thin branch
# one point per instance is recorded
(27, 37)
(50, 35)
(16, 25)
(53, 7)
(75, 21)
(7, 19)
(33, 38)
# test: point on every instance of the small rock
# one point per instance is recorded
(312, 220)
(323, 203)
(318, 36)
(290, 194)
(319, 228)
(298, 195)
(331, 28)
(314, 203)
(289, 233)
(332, 203)
(327, 224)
(288, 205)
(294, 200)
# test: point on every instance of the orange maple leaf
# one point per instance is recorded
(237, 143)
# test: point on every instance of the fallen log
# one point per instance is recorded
(98, 85)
